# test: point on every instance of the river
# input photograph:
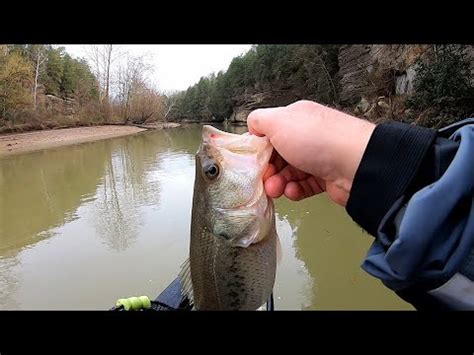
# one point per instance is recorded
(84, 225)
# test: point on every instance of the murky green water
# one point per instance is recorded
(84, 225)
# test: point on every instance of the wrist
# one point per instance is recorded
(389, 165)
(353, 145)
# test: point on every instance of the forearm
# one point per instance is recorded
(390, 163)
(414, 192)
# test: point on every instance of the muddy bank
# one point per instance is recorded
(32, 141)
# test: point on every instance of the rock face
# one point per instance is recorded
(375, 79)
(246, 103)
(66, 107)
(374, 82)
(369, 70)
(368, 76)
(354, 69)
(404, 82)
(470, 55)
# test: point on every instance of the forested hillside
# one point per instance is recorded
(425, 84)
(42, 86)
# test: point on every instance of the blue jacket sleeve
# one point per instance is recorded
(413, 191)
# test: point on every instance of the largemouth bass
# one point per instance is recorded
(233, 248)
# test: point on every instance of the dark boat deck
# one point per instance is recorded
(171, 299)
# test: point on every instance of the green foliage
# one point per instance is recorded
(53, 74)
(77, 80)
(307, 70)
(220, 103)
(16, 77)
(68, 78)
(85, 85)
(444, 84)
(59, 75)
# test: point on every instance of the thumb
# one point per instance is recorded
(261, 122)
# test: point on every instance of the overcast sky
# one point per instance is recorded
(176, 67)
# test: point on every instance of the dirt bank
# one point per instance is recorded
(31, 141)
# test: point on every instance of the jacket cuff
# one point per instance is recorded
(389, 165)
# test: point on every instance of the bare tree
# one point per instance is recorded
(170, 102)
(130, 80)
(322, 65)
(93, 56)
(145, 103)
(39, 58)
(107, 60)
(101, 59)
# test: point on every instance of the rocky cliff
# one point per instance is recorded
(66, 107)
(244, 104)
(373, 82)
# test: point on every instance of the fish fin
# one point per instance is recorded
(185, 279)
(279, 251)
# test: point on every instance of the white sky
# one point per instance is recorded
(176, 67)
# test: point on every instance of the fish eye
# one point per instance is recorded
(211, 171)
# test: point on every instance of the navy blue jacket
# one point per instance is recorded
(413, 191)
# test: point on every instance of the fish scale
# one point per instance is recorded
(224, 273)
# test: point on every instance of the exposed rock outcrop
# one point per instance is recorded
(370, 79)
(66, 107)
(244, 104)
(375, 70)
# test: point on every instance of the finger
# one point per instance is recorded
(275, 186)
(294, 191)
(321, 183)
(278, 161)
(298, 190)
(291, 173)
(307, 188)
(259, 122)
(271, 170)
(310, 187)
(316, 188)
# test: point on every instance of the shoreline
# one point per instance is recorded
(17, 143)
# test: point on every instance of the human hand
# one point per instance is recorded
(317, 149)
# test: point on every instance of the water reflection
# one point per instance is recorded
(237, 129)
(293, 284)
(42, 190)
(9, 281)
(332, 247)
(124, 189)
(83, 225)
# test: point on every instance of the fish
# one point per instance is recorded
(234, 248)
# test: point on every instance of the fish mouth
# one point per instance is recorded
(209, 131)
(237, 150)
(235, 143)
(247, 222)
